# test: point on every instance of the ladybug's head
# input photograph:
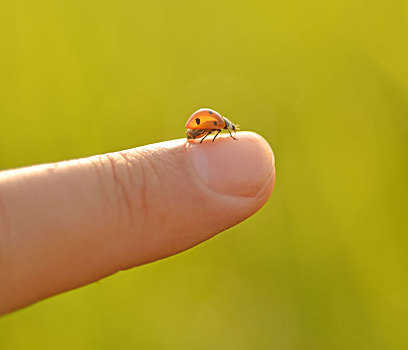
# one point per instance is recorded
(229, 125)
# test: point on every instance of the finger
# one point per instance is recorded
(67, 224)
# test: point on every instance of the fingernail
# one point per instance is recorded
(239, 168)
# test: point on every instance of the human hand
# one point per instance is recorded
(67, 224)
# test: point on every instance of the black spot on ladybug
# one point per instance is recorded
(210, 112)
(215, 123)
(198, 121)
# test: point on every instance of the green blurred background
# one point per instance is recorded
(324, 265)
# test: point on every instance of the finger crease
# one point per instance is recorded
(122, 188)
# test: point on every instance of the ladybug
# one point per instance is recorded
(205, 121)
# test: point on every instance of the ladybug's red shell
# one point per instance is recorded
(205, 118)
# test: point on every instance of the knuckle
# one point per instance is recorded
(124, 181)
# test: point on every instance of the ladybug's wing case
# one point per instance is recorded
(205, 118)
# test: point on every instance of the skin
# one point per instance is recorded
(67, 224)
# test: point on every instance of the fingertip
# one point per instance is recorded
(238, 168)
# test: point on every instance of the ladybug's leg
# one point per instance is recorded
(208, 133)
(231, 135)
(218, 131)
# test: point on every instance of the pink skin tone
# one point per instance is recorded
(68, 224)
